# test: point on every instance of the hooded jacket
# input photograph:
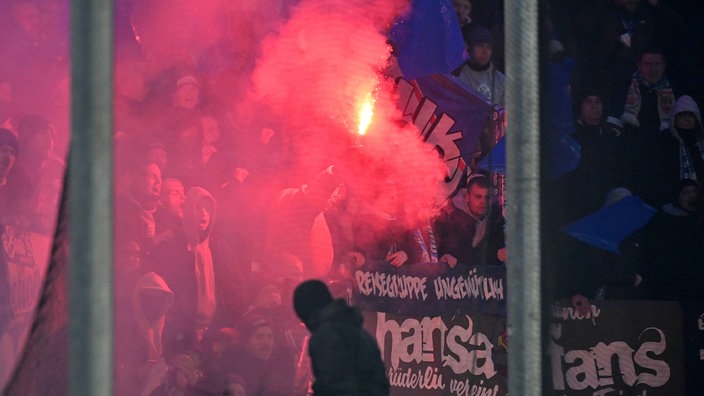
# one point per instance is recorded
(140, 318)
(691, 147)
(186, 263)
(151, 300)
(346, 359)
(199, 245)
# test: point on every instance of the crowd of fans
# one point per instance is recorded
(636, 93)
(211, 231)
(211, 237)
(632, 71)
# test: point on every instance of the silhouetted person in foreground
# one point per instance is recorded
(346, 359)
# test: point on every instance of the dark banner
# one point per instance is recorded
(461, 355)
(618, 348)
(431, 289)
(442, 331)
(42, 367)
(24, 256)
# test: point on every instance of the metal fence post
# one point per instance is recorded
(523, 176)
(90, 199)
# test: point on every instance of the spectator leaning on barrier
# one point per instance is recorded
(475, 233)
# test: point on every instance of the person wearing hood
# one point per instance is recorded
(346, 360)
(688, 130)
(139, 323)
(186, 264)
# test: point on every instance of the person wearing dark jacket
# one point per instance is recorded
(186, 263)
(610, 35)
(346, 359)
(298, 225)
(673, 269)
(672, 255)
(600, 159)
(474, 234)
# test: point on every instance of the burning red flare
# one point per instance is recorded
(365, 115)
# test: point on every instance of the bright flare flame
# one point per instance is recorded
(365, 115)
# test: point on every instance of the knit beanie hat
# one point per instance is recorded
(687, 205)
(579, 95)
(310, 296)
(475, 34)
(7, 138)
(681, 186)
